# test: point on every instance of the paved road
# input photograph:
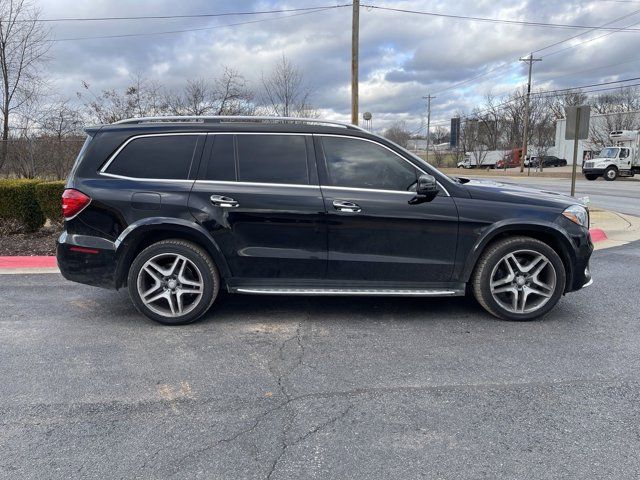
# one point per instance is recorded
(620, 196)
(270, 387)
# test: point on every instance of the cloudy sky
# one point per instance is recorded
(403, 56)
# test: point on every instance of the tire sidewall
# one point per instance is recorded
(498, 254)
(210, 280)
(606, 174)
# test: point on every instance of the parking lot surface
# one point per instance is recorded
(359, 388)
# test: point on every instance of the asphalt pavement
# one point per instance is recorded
(319, 388)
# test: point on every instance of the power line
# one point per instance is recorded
(635, 12)
(499, 67)
(499, 20)
(167, 17)
(168, 32)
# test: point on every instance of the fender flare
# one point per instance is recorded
(128, 241)
(522, 227)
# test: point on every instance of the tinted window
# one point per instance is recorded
(221, 165)
(165, 157)
(272, 159)
(361, 164)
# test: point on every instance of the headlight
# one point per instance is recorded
(577, 214)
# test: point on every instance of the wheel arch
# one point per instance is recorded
(143, 233)
(547, 233)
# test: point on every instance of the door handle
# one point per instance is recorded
(344, 206)
(225, 202)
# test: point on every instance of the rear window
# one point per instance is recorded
(272, 159)
(163, 157)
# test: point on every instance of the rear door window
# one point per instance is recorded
(272, 159)
(166, 157)
(221, 165)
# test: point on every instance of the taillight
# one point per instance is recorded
(73, 202)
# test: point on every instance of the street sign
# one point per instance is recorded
(577, 127)
(455, 132)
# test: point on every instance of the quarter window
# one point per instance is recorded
(157, 156)
(360, 164)
(272, 159)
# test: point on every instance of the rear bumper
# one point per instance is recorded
(87, 259)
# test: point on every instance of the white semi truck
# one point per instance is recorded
(622, 159)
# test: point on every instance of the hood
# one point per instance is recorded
(511, 193)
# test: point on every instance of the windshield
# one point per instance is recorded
(610, 152)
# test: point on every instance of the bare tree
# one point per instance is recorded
(141, 98)
(61, 132)
(232, 94)
(284, 92)
(398, 133)
(23, 47)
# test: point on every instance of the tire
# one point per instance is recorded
(590, 176)
(610, 174)
(180, 274)
(504, 300)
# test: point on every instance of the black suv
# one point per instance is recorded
(177, 208)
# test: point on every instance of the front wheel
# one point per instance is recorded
(590, 176)
(173, 282)
(519, 278)
(610, 174)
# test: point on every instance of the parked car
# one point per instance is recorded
(548, 161)
(176, 209)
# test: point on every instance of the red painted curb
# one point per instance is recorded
(597, 235)
(28, 262)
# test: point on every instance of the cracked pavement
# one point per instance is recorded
(317, 388)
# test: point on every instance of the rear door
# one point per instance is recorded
(374, 233)
(258, 196)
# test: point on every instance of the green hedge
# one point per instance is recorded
(18, 203)
(48, 195)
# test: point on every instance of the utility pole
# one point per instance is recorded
(355, 33)
(529, 60)
(428, 99)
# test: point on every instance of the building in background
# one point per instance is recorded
(600, 125)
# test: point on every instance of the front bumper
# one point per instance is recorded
(593, 171)
(87, 259)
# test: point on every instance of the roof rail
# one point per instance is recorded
(236, 119)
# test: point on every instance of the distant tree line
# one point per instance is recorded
(498, 123)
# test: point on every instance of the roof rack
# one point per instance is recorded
(236, 119)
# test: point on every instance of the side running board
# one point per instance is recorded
(383, 292)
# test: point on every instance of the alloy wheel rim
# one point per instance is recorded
(523, 281)
(170, 285)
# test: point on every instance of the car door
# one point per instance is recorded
(374, 234)
(258, 196)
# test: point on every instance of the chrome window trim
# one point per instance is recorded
(383, 146)
(102, 171)
(357, 189)
(258, 184)
(260, 133)
(144, 179)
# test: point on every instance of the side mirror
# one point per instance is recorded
(426, 189)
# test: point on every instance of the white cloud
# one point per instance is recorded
(403, 56)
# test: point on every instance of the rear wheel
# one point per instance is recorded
(590, 176)
(611, 174)
(519, 278)
(173, 282)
